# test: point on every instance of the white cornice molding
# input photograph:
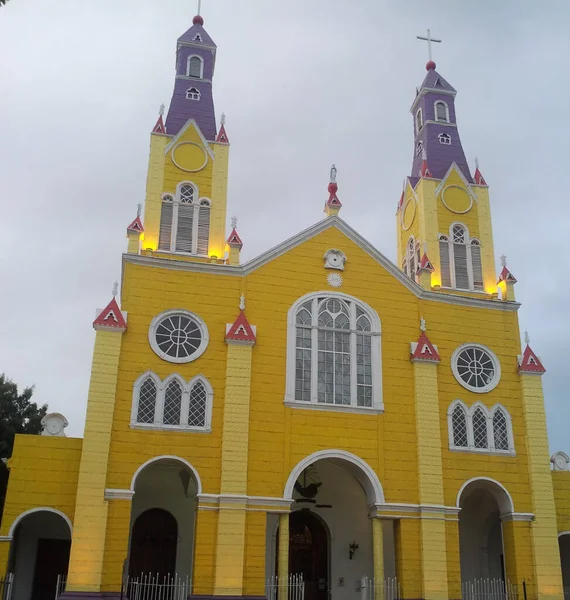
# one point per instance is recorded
(303, 236)
(116, 494)
(5, 538)
(424, 91)
(514, 516)
(214, 501)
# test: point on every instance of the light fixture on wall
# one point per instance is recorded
(352, 550)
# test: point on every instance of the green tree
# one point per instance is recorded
(17, 415)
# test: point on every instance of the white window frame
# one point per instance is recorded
(201, 66)
(496, 365)
(193, 94)
(446, 111)
(161, 386)
(171, 313)
(376, 357)
(197, 203)
(446, 137)
(419, 122)
(469, 412)
(469, 242)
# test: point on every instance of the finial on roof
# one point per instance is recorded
(430, 65)
(139, 209)
(476, 163)
(234, 222)
(503, 260)
(423, 324)
(223, 119)
(161, 109)
(334, 171)
(115, 288)
(242, 302)
(198, 20)
(526, 338)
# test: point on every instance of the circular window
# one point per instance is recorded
(178, 336)
(476, 368)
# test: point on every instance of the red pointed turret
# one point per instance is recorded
(506, 276)
(478, 177)
(530, 363)
(424, 169)
(222, 136)
(111, 317)
(136, 226)
(425, 265)
(424, 350)
(234, 240)
(241, 330)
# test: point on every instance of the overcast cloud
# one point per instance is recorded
(304, 83)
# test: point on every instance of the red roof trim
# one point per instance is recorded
(507, 276)
(241, 330)
(479, 179)
(222, 136)
(425, 350)
(136, 225)
(425, 265)
(234, 239)
(111, 317)
(530, 363)
(159, 127)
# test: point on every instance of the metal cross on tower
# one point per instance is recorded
(429, 41)
(199, 7)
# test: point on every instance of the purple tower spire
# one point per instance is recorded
(435, 127)
(192, 97)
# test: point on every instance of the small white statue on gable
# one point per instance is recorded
(54, 424)
(335, 259)
(560, 461)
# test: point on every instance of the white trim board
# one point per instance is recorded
(303, 236)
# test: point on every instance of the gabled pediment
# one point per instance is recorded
(190, 132)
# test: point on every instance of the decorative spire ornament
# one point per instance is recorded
(161, 109)
(242, 302)
(423, 327)
(333, 205)
(115, 288)
(139, 209)
(526, 337)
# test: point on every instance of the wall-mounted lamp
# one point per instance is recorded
(352, 550)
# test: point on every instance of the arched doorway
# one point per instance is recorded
(153, 545)
(163, 518)
(564, 543)
(40, 553)
(482, 503)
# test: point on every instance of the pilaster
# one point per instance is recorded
(518, 553)
(116, 543)
(91, 511)
(283, 557)
(154, 189)
(219, 199)
(378, 557)
(408, 550)
(5, 545)
(205, 538)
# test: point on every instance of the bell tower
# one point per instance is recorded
(443, 215)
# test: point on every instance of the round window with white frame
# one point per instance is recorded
(178, 336)
(476, 368)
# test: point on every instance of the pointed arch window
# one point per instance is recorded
(185, 222)
(172, 403)
(478, 429)
(441, 112)
(419, 120)
(195, 67)
(460, 260)
(412, 259)
(333, 358)
(193, 94)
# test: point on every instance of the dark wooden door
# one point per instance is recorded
(309, 553)
(52, 559)
(153, 544)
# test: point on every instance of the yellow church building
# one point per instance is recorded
(318, 423)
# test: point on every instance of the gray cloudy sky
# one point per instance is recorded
(304, 83)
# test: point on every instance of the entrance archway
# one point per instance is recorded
(163, 519)
(482, 502)
(564, 543)
(40, 552)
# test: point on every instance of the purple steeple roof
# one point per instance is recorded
(435, 127)
(192, 97)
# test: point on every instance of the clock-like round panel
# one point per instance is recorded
(456, 199)
(408, 214)
(189, 157)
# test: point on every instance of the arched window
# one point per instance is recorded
(195, 67)
(441, 112)
(460, 260)
(479, 430)
(193, 94)
(185, 222)
(172, 403)
(411, 261)
(419, 120)
(334, 353)
(444, 138)
(419, 148)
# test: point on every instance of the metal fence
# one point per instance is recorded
(60, 586)
(288, 588)
(567, 593)
(387, 589)
(156, 587)
(6, 586)
(488, 589)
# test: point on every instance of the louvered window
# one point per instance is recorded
(411, 258)
(445, 262)
(477, 265)
(461, 272)
(419, 120)
(195, 67)
(441, 112)
(185, 223)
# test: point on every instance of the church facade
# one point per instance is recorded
(317, 412)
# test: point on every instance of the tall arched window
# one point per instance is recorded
(419, 120)
(500, 430)
(172, 403)
(195, 67)
(460, 259)
(411, 258)
(185, 222)
(333, 353)
(441, 112)
(459, 427)
(479, 420)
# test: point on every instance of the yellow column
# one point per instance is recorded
(4, 556)
(219, 200)
(154, 190)
(254, 571)
(116, 544)
(453, 559)
(544, 531)
(230, 550)
(133, 246)
(407, 536)
(283, 558)
(378, 557)
(203, 572)
(517, 547)
(90, 520)
(430, 473)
